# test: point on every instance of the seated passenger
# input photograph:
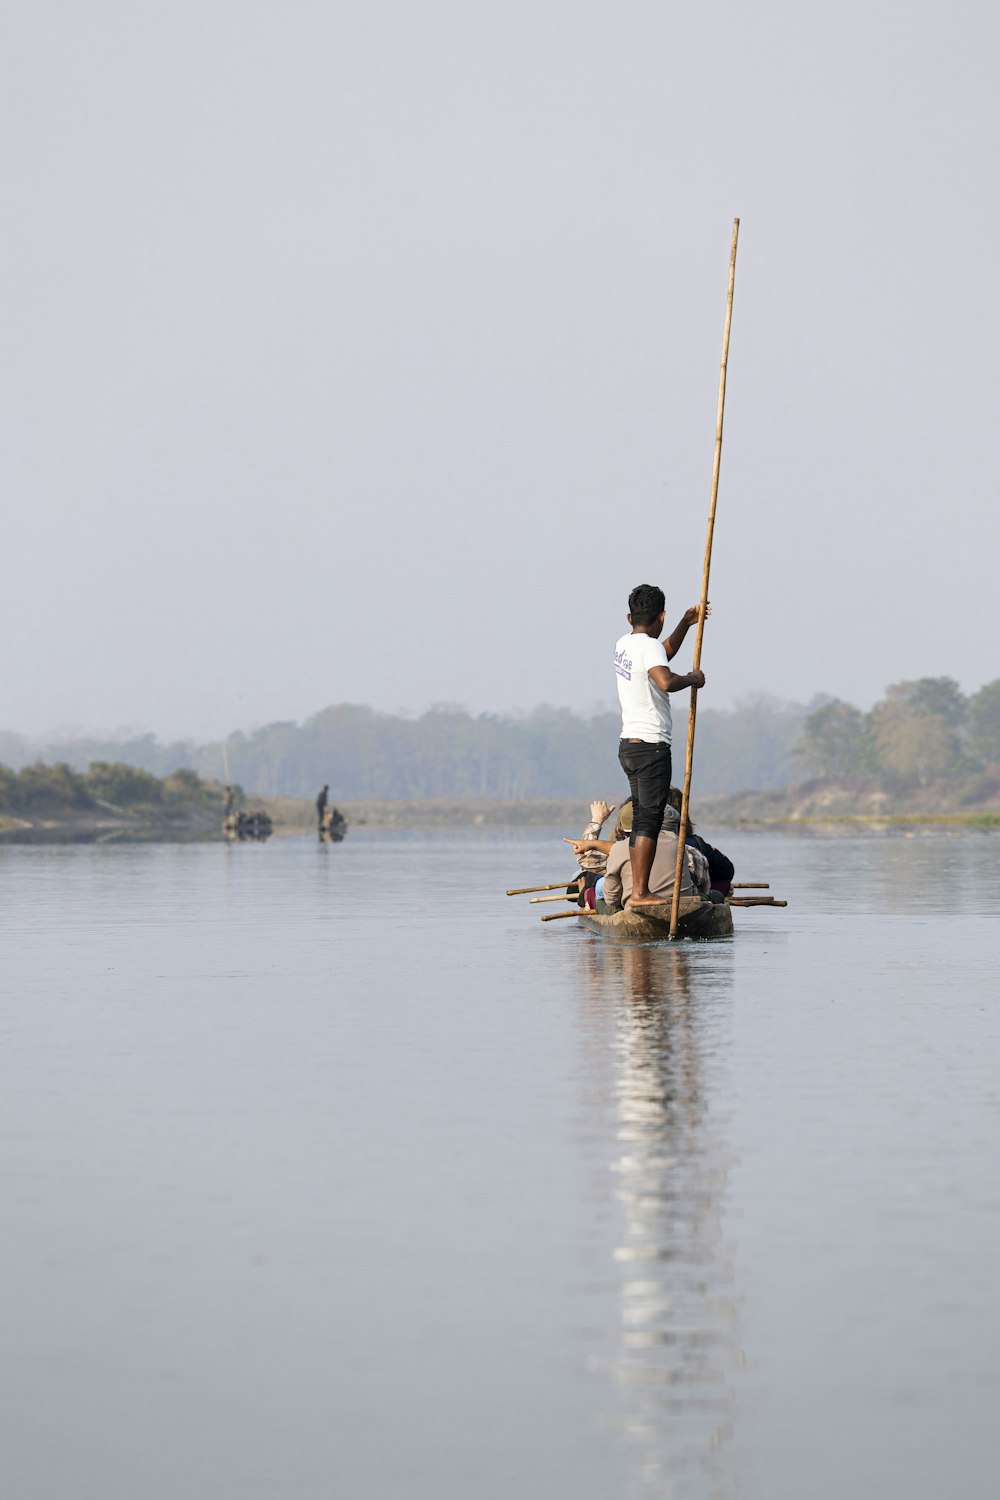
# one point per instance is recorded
(720, 869)
(617, 883)
(698, 866)
(592, 852)
(591, 855)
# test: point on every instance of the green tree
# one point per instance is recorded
(931, 697)
(184, 785)
(836, 742)
(52, 787)
(984, 724)
(11, 793)
(916, 729)
(122, 785)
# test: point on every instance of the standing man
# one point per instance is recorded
(644, 681)
(321, 802)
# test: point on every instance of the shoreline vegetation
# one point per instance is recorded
(921, 734)
(444, 753)
(925, 754)
(108, 802)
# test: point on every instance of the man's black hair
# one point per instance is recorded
(646, 603)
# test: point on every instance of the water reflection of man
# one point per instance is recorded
(676, 1350)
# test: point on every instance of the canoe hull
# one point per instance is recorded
(702, 919)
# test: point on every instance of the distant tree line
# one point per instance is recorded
(921, 731)
(448, 752)
(117, 786)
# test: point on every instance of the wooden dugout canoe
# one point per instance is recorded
(696, 919)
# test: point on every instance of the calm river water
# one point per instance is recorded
(332, 1172)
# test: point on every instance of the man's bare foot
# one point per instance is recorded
(647, 900)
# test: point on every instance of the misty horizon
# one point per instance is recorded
(112, 733)
(920, 732)
(371, 353)
(121, 732)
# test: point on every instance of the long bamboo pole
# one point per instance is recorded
(716, 466)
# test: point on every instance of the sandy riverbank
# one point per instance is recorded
(863, 803)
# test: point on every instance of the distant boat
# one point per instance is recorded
(333, 828)
(247, 827)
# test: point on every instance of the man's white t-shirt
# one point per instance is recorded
(645, 708)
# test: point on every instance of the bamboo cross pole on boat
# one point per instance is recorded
(716, 466)
(528, 890)
(755, 901)
(535, 899)
(750, 885)
(553, 916)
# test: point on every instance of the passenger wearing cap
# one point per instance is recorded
(617, 889)
(696, 879)
(614, 888)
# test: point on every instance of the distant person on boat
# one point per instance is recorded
(645, 682)
(321, 803)
(228, 800)
(720, 868)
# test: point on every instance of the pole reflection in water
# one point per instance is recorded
(671, 1359)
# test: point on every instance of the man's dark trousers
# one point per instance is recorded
(647, 766)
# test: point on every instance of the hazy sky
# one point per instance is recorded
(370, 351)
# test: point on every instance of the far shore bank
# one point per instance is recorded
(816, 808)
(439, 812)
(289, 815)
(572, 814)
(845, 804)
(71, 827)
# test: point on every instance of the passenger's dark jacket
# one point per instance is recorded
(720, 868)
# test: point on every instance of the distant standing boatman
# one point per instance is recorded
(321, 802)
(644, 681)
